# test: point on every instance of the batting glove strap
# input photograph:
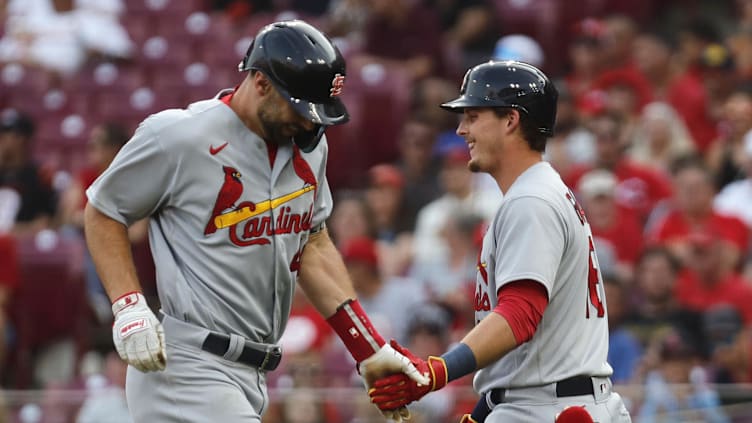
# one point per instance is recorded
(356, 331)
(438, 368)
(129, 299)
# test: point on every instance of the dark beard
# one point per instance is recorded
(276, 132)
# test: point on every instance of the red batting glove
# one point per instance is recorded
(398, 390)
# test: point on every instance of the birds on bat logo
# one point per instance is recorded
(248, 222)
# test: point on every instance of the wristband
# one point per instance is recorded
(459, 362)
(355, 329)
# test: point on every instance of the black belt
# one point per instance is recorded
(571, 387)
(263, 359)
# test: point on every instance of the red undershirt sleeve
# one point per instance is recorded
(522, 304)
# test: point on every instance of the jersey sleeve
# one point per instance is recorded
(322, 206)
(531, 238)
(138, 181)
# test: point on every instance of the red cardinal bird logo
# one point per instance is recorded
(303, 170)
(228, 195)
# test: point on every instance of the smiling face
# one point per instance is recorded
(481, 128)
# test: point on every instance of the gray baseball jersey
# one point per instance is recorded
(226, 227)
(541, 233)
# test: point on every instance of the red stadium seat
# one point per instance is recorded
(50, 301)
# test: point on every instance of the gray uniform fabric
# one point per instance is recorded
(183, 168)
(539, 233)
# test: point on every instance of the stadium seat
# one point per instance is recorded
(50, 302)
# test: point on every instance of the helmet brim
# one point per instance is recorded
(458, 105)
(329, 113)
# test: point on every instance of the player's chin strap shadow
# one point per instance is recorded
(308, 140)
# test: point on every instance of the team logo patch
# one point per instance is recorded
(134, 327)
(338, 83)
(248, 222)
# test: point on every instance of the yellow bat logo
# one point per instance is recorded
(236, 216)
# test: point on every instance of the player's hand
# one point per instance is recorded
(388, 361)
(138, 335)
(398, 390)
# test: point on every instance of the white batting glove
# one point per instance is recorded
(138, 335)
(384, 362)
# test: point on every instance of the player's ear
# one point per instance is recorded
(261, 83)
(513, 119)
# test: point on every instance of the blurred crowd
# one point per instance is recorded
(653, 133)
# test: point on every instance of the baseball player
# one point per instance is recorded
(236, 191)
(541, 334)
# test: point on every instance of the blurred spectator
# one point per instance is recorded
(688, 94)
(639, 188)
(416, 142)
(28, 199)
(428, 334)
(619, 229)
(706, 282)
(351, 218)
(449, 278)
(624, 350)
(105, 400)
(347, 20)
(677, 383)
(624, 92)
(60, 35)
(461, 196)
(425, 96)
(654, 303)
(239, 10)
(735, 199)
(619, 33)
(728, 345)
(693, 211)
(739, 40)
(104, 143)
(660, 138)
(387, 301)
(652, 54)
(470, 30)
(586, 61)
(726, 155)
(306, 331)
(385, 198)
(718, 78)
(405, 34)
(519, 47)
(572, 143)
(9, 280)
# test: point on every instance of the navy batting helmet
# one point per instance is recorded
(307, 70)
(510, 84)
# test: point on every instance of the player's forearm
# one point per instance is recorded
(323, 275)
(110, 249)
(490, 339)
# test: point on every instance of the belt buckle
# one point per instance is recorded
(272, 357)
